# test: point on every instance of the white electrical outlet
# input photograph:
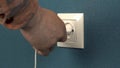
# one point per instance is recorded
(75, 30)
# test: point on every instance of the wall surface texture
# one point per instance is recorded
(102, 39)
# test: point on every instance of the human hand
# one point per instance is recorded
(44, 33)
(42, 27)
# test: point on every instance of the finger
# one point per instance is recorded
(63, 39)
(2, 18)
(43, 52)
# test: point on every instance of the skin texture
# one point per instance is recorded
(16, 13)
(41, 27)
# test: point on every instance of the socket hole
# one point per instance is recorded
(72, 30)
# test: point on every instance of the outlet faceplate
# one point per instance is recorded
(75, 38)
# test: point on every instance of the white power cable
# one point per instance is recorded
(35, 59)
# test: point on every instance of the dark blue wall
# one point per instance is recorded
(102, 39)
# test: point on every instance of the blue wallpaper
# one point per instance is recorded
(102, 39)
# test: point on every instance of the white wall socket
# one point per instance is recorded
(75, 29)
